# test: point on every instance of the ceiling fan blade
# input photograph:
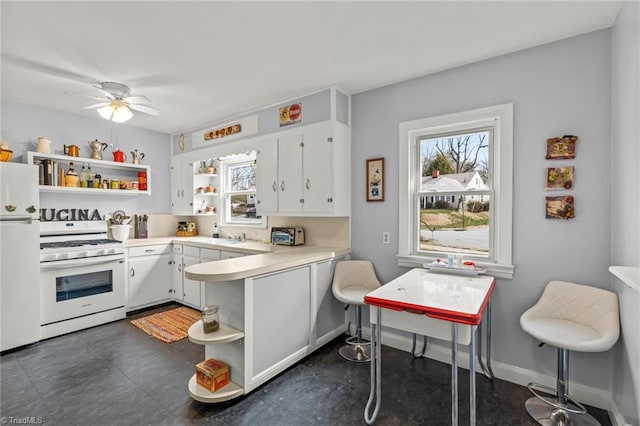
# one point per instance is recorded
(144, 108)
(96, 105)
(86, 95)
(137, 99)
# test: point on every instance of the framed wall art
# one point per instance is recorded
(561, 148)
(375, 179)
(561, 207)
(559, 178)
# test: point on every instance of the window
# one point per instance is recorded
(455, 197)
(239, 191)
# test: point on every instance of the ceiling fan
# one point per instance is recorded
(117, 102)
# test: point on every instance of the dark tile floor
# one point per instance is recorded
(115, 374)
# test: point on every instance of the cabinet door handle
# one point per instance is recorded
(178, 193)
(275, 186)
(180, 267)
(182, 192)
(132, 272)
(282, 185)
(308, 184)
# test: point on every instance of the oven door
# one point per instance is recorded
(78, 287)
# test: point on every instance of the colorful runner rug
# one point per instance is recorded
(168, 326)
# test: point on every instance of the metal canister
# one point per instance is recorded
(142, 180)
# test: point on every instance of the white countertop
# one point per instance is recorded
(630, 275)
(249, 247)
(265, 258)
(278, 259)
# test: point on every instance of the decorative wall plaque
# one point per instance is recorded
(561, 207)
(561, 148)
(290, 114)
(222, 132)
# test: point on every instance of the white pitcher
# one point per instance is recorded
(44, 145)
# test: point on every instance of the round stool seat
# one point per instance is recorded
(353, 295)
(565, 334)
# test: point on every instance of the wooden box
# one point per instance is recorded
(212, 374)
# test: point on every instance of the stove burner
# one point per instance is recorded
(76, 243)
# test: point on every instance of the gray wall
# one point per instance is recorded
(625, 204)
(22, 124)
(559, 88)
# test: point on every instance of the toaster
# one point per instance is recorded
(287, 235)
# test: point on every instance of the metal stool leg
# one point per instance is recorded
(561, 410)
(357, 349)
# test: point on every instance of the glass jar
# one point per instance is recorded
(210, 318)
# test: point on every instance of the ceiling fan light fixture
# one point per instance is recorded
(121, 114)
(115, 111)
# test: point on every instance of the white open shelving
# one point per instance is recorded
(224, 334)
(128, 169)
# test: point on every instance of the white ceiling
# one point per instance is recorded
(202, 62)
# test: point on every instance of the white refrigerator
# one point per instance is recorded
(19, 255)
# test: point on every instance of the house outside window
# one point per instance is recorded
(456, 194)
(239, 191)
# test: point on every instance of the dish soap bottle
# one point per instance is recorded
(216, 233)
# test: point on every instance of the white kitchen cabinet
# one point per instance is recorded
(190, 288)
(267, 176)
(149, 276)
(311, 171)
(193, 190)
(181, 185)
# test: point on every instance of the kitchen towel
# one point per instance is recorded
(168, 326)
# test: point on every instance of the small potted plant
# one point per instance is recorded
(210, 168)
(203, 167)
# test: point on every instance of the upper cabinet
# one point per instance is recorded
(305, 171)
(194, 186)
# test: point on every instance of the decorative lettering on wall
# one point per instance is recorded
(68, 215)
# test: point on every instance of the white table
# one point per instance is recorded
(433, 305)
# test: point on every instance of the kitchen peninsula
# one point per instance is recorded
(259, 295)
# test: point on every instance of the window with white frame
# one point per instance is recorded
(239, 191)
(456, 193)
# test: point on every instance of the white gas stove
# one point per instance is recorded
(76, 240)
(82, 277)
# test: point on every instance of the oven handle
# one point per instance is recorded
(87, 261)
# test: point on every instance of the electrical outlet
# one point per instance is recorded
(386, 238)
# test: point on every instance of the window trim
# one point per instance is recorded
(225, 164)
(500, 117)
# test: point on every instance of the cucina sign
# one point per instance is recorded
(66, 215)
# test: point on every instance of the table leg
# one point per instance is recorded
(454, 373)
(486, 370)
(472, 377)
(488, 310)
(375, 375)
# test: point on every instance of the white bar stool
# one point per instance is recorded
(571, 317)
(352, 280)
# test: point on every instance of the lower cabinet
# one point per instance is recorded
(190, 288)
(149, 276)
(268, 323)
